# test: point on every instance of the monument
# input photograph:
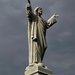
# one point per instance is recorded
(37, 28)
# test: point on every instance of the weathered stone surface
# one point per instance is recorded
(37, 70)
(37, 27)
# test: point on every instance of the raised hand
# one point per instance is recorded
(56, 15)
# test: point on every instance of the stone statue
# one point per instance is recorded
(37, 27)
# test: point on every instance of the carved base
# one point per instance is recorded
(37, 70)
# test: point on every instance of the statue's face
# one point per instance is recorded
(40, 11)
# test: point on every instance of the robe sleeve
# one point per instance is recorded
(51, 21)
(29, 11)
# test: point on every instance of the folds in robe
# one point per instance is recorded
(37, 35)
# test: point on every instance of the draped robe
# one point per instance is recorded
(37, 35)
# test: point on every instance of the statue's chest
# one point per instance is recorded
(41, 23)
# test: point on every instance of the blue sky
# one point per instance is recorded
(60, 54)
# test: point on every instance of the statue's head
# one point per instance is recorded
(38, 11)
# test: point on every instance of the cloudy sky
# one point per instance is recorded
(60, 54)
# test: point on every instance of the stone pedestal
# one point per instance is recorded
(37, 70)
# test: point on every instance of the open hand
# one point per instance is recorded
(56, 15)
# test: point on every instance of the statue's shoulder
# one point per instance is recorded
(35, 17)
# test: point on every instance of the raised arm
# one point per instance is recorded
(52, 20)
(29, 1)
(29, 10)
